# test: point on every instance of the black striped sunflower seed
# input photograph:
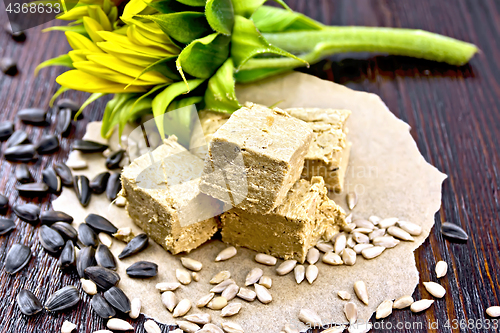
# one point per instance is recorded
(85, 259)
(82, 189)
(19, 256)
(99, 182)
(101, 307)
(4, 202)
(142, 269)
(86, 235)
(100, 224)
(53, 216)
(86, 146)
(64, 118)
(21, 153)
(6, 130)
(6, 226)
(113, 161)
(35, 116)
(64, 172)
(33, 189)
(23, 174)
(66, 230)
(50, 239)
(105, 258)
(28, 303)
(27, 212)
(8, 66)
(136, 245)
(114, 186)
(47, 144)
(104, 278)
(117, 298)
(67, 103)
(63, 299)
(17, 138)
(52, 180)
(454, 232)
(68, 256)
(15, 31)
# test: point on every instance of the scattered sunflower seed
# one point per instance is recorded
(28, 303)
(82, 189)
(358, 248)
(18, 256)
(167, 286)
(121, 201)
(105, 258)
(360, 238)
(311, 273)
(421, 305)
(68, 327)
(187, 326)
(265, 259)
(253, 276)
(230, 292)
(364, 224)
(6, 226)
(221, 286)
(217, 303)
(286, 267)
(191, 264)
(99, 183)
(350, 241)
(384, 309)
(105, 239)
(101, 307)
(169, 300)
(403, 302)
(365, 231)
(352, 200)
(66, 230)
(100, 224)
(300, 273)
(53, 216)
(136, 245)
(8, 66)
(114, 186)
(493, 311)
(349, 257)
(104, 278)
(344, 295)
(63, 299)
(119, 325)
(226, 254)
(4, 202)
(230, 327)
(263, 295)
(63, 125)
(411, 228)
(266, 281)
(89, 287)
(454, 232)
(32, 189)
(84, 259)
(310, 318)
(195, 276)
(6, 130)
(34, 116)
(349, 227)
(231, 310)
(219, 277)
(142, 269)
(288, 329)
(324, 247)
(183, 276)
(86, 146)
(151, 326)
(47, 144)
(441, 269)
(376, 233)
(124, 234)
(372, 252)
(113, 160)
(199, 318)
(246, 294)
(388, 222)
(23, 174)
(435, 289)
(68, 255)
(340, 243)
(400, 233)
(117, 298)
(386, 241)
(182, 308)
(50, 239)
(332, 258)
(27, 212)
(351, 312)
(312, 255)
(67, 103)
(135, 308)
(361, 291)
(210, 328)
(87, 235)
(205, 300)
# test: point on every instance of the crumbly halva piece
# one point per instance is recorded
(328, 154)
(291, 229)
(162, 191)
(255, 158)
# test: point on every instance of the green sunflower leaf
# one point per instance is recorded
(194, 3)
(92, 98)
(170, 6)
(112, 111)
(247, 7)
(62, 60)
(272, 19)
(220, 94)
(180, 103)
(220, 15)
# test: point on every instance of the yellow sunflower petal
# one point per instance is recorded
(127, 55)
(92, 26)
(74, 14)
(102, 72)
(99, 15)
(78, 80)
(126, 43)
(134, 7)
(80, 42)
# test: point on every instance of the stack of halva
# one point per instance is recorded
(262, 178)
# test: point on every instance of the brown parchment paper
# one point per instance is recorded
(386, 170)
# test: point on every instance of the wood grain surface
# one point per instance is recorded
(455, 119)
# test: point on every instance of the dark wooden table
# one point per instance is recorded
(454, 113)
